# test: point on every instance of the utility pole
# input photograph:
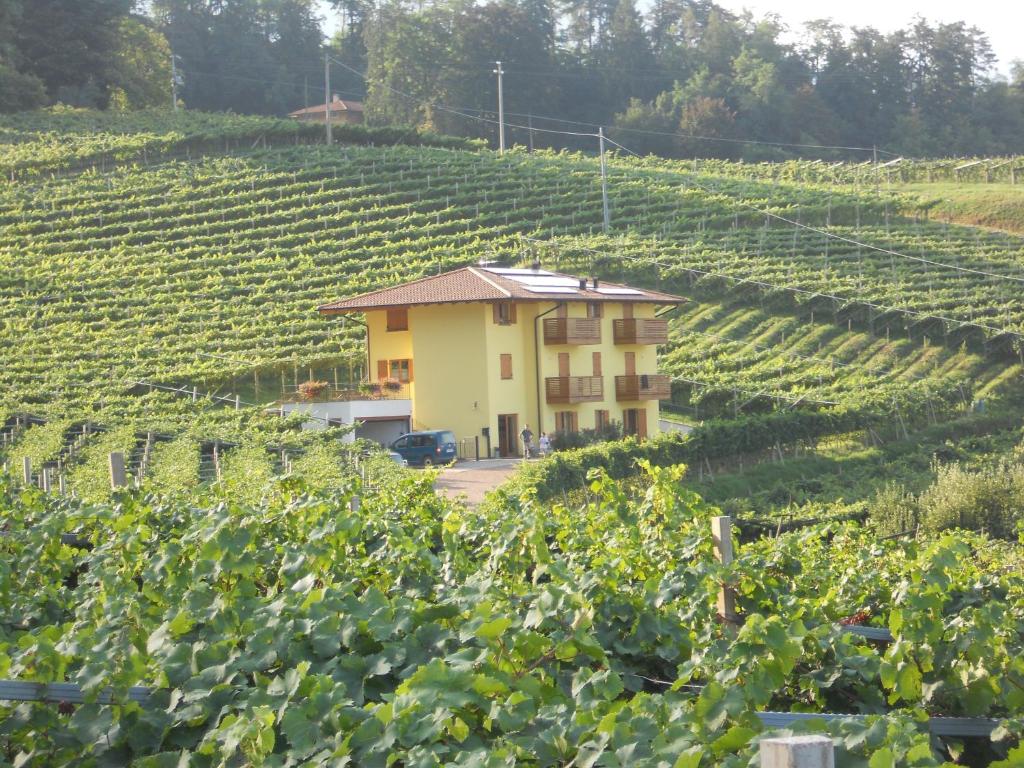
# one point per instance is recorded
(529, 123)
(604, 181)
(874, 155)
(327, 96)
(174, 82)
(501, 110)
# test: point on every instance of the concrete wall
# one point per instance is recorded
(348, 412)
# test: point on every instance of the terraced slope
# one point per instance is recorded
(143, 274)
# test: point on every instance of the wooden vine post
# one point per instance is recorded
(118, 478)
(721, 532)
(798, 752)
(26, 470)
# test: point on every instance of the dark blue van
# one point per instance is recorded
(436, 446)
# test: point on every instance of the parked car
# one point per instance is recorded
(396, 457)
(426, 448)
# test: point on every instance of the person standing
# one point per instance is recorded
(527, 437)
(544, 444)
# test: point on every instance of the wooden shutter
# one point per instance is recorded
(627, 311)
(506, 366)
(510, 312)
(641, 423)
(631, 363)
(563, 364)
(398, 319)
(410, 369)
(597, 363)
(382, 370)
(575, 417)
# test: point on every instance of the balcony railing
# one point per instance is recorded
(572, 330)
(574, 389)
(640, 331)
(646, 387)
(362, 391)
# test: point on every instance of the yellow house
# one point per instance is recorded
(486, 351)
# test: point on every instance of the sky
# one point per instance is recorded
(1001, 20)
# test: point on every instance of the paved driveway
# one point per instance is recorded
(472, 479)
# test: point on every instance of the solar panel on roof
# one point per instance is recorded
(564, 282)
(549, 289)
(514, 271)
(620, 291)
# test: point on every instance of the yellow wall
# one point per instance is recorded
(613, 363)
(450, 368)
(388, 345)
(517, 395)
(457, 382)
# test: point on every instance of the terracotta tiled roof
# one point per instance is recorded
(338, 105)
(471, 284)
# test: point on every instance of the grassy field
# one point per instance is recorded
(993, 206)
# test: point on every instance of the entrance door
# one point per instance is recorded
(508, 434)
(634, 422)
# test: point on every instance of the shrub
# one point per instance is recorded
(311, 390)
(990, 499)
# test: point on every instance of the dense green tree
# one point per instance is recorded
(627, 57)
(140, 69)
(406, 54)
(244, 55)
(68, 46)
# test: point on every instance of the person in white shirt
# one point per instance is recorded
(544, 444)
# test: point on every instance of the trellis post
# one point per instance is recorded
(117, 471)
(26, 469)
(810, 751)
(721, 532)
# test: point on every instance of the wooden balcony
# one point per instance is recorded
(640, 331)
(654, 386)
(572, 330)
(574, 389)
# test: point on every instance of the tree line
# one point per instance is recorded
(683, 78)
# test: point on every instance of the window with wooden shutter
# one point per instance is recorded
(631, 363)
(504, 313)
(398, 319)
(401, 370)
(563, 364)
(595, 310)
(566, 421)
(506, 366)
(627, 311)
(382, 369)
(601, 419)
(597, 363)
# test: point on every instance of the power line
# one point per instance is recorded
(834, 236)
(455, 111)
(776, 286)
